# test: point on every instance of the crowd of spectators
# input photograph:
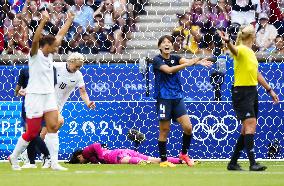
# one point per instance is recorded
(197, 28)
(99, 25)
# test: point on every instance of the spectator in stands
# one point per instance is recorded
(279, 45)
(99, 35)
(111, 26)
(5, 10)
(191, 32)
(86, 45)
(265, 33)
(94, 4)
(18, 37)
(276, 15)
(58, 15)
(219, 16)
(178, 42)
(83, 14)
(198, 16)
(30, 11)
(209, 45)
(243, 11)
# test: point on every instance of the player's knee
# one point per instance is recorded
(60, 122)
(164, 131)
(188, 129)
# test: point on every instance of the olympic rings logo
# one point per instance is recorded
(202, 130)
(100, 87)
(204, 85)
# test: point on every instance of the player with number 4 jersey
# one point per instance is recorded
(169, 95)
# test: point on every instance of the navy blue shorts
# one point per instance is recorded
(168, 109)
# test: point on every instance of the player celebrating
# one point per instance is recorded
(244, 93)
(169, 95)
(96, 154)
(40, 99)
(30, 154)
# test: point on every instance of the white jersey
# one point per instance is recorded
(66, 83)
(41, 76)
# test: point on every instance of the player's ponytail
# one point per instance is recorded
(245, 33)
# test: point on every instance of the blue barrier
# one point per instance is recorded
(214, 124)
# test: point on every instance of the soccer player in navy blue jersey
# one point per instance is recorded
(169, 95)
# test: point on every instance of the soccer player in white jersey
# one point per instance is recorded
(68, 79)
(40, 97)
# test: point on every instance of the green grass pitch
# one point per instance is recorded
(203, 174)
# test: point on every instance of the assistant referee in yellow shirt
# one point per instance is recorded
(244, 94)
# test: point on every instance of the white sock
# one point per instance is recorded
(20, 147)
(52, 143)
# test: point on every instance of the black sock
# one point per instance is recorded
(186, 139)
(249, 145)
(163, 150)
(42, 146)
(238, 148)
(32, 151)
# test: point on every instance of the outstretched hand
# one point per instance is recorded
(204, 62)
(45, 15)
(224, 36)
(71, 15)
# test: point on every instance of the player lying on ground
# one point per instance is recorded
(96, 154)
(169, 95)
(40, 100)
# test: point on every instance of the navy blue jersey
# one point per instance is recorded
(23, 78)
(167, 86)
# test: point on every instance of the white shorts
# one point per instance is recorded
(243, 18)
(38, 104)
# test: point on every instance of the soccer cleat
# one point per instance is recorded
(14, 163)
(234, 167)
(46, 163)
(167, 164)
(257, 167)
(186, 159)
(58, 167)
(29, 166)
(24, 157)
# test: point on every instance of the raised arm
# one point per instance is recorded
(183, 63)
(225, 37)
(267, 87)
(62, 32)
(85, 97)
(37, 35)
(170, 70)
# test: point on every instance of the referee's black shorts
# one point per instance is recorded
(245, 102)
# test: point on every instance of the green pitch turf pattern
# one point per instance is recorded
(204, 174)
